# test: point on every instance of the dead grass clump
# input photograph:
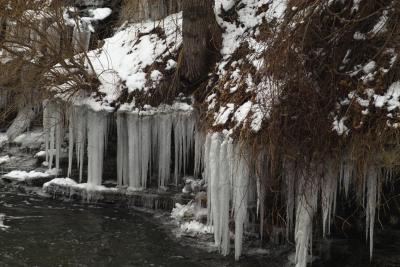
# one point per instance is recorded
(317, 58)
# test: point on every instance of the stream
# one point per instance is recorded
(39, 231)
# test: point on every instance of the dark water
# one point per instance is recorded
(45, 232)
(39, 231)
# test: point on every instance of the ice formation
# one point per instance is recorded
(97, 134)
(198, 153)
(306, 207)
(328, 198)
(81, 36)
(290, 179)
(160, 142)
(227, 175)
(53, 124)
(77, 137)
(145, 145)
(240, 195)
(122, 150)
(372, 199)
(167, 144)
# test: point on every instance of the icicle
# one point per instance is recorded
(214, 183)
(179, 136)
(164, 130)
(183, 143)
(122, 150)
(70, 140)
(261, 190)
(328, 195)
(134, 151)
(198, 152)
(346, 173)
(206, 175)
(80, 129)
(145, 150)
(290, 179)
(306, 207)
(227, 177)
(81, 36)
(52, 124)
(59, 140)
(46, 128)
(97, 125)
(241, 184)
(224, 193)
(372, 197)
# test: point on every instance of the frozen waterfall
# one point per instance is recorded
(160, 147)
(97, 134)
(147, 143)
(159, 144)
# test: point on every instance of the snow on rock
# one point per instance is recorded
(242, 112)
(3, 139)
(99, 13)
(195, 227)
(187, 217)
(60, 182)
(223, 115)
(123, 59)
(340, 127)
(4, 159)
(40, 154)
(21, 176)
(180, 211)
(30, 139)
(88, 191)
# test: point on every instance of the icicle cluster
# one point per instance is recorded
(307, 200)
(227, 175)
(328, 198)
(81, 35)
(320, 186)
(77, 137)
(53, 125)
(85, 124)
(167, 145)
(159, 143)
(146, 142)
(97, 133)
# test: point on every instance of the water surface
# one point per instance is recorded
(37, 231)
